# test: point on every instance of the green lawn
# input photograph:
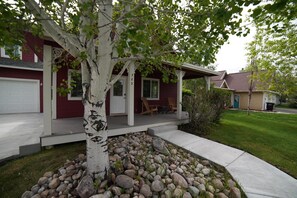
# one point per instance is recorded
(269, 136)
(20, 175)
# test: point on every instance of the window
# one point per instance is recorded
(74, 81)
(16, 51)
(150, 88)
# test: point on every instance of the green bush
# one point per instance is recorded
(293, 101)
(204, 108)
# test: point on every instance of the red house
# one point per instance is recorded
(30, 85)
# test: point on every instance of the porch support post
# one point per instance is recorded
(130, 96)
(47, 89)
(180, 74)
(207, 80)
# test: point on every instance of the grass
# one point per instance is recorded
(19, 175)
(269, 136)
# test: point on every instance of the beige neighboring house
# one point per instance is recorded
(238, 84)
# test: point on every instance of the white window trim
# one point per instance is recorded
(3, 53)
(69, 97)
(151, 79)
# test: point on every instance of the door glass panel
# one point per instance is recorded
(118, 88)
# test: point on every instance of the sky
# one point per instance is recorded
(232, 55)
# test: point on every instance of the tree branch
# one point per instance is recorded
(117, 77)
(66, 40)
(63, 9)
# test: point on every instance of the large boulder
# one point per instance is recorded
(124, 181)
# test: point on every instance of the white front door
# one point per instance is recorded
(118, 97)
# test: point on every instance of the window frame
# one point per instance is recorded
(151, 80)
(4, 55)
(69, 97)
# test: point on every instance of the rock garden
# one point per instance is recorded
(140, 166)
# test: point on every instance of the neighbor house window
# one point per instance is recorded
(150, 88)
(16, 51)
(74, 81)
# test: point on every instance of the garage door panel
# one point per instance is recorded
(17, 96)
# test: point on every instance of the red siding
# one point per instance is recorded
(24, 74)
(27, 54)
(67, 108)
(35, 44)
(166, 90)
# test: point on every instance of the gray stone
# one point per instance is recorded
(103, 184)
(44, 193)
(35, 188)
(205, 171)
(41, 189)
(201, 187)
(173, 151)
(85, 187)
(177, 193)
(157, 177)
(210, 188)
(159, 145)
(161, 171)
(98, 196)
(36, 196)
(146, 190)
(27, 194)
(171, 187)
(48, 174)
(62, 171)
(218, 184)
(54, 183)
(124, 181)
(209, 195)
(168, 194)
(119, 150)
(116, 190)
(179, 180)
(234, 193)
(42, 180)
(157, 186)
(158, 159)
(194, 191)
(125, 196)
(62, 187)
(221, 195)
(187, 195)
(131, 173)
(231, 183)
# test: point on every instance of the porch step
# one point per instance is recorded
(155, 130)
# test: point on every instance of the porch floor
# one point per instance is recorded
(71, 129)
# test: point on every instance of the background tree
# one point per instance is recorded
(105, 34)
(276, 54)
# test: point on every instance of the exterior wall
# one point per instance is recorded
(270, 97)
(24, 74)
(256, 102)
(166, 90)
(74, 108)
(67, 108)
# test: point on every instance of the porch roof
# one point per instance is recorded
(193, 71)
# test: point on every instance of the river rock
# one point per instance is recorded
(85, 187)
(124, 181)
(234, 193)
(159, 145)
(146, 190)
(179, 180)
(54, 183)
(157, 186)
(193, 191)
(218, 184)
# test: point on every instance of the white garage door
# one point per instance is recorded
(19, 96)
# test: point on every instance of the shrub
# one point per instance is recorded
(204, 108)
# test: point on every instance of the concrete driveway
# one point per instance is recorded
(18, 130)
(285, 110)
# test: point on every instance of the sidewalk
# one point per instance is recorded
(256, 177)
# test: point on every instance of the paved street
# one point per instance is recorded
(285, 110)
(17, 130)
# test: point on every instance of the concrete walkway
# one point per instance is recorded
(256, 177)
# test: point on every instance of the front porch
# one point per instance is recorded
(71, 130)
